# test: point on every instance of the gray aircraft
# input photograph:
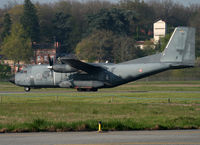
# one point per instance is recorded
(72, 73)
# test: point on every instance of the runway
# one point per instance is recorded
(175, 137)
(47, 92)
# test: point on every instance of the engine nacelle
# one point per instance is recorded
(63, 68)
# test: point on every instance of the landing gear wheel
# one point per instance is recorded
(87, 90)
(94, 89)
(79, 90)
(27, 89)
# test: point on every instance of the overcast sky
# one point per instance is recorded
(184, 2)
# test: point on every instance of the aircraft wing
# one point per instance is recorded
(86, 67)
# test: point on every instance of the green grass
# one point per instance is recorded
(117, 108)
(134, 86)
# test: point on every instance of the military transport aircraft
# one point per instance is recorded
(72, 73)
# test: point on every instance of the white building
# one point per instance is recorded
(159, 29)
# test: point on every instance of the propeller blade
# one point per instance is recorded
(18, 68)
(50, 61)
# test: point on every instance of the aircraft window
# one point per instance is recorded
(23, 71)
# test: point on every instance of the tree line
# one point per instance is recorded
(93, 30)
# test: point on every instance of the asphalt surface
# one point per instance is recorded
(47, 92)
(175, 137)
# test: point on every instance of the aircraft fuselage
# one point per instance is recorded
(39, 76)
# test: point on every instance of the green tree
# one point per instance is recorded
(195, 22)
(6, 26)
(96, 47)
(115, 20)
(5, 71)
(141, 18)
(124, 49)
(16, 13)
(107, 46)
(62, 30)
(30, 21)
(164, 41)
(46, 16)
(17, 45)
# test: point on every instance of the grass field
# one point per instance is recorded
(135, 106)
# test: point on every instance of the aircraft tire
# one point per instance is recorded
(87, 90)
(94, 89)
(79, 90)
(82, 90)
(27, 89)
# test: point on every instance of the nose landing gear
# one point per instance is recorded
(27, 89)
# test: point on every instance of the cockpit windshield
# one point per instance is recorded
(23, 71)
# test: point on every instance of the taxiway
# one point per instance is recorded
(175, 137)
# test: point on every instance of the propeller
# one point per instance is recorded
(18, 66)
(50, 65)
(50, 60)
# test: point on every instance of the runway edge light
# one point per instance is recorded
(100, 130)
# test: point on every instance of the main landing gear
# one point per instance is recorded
(87, 89)
(27, 89)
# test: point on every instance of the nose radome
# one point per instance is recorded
(12, 79)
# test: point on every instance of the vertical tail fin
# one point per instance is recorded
(180, 49)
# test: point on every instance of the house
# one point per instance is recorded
(43, 51)
(16, 67)
(159, 30)
(145, 44)
(41, 55)
(140, 44)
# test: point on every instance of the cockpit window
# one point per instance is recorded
(23, 71)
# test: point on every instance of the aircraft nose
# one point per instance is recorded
(12, 79)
